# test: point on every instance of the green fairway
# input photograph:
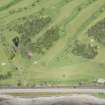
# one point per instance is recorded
(52, 42)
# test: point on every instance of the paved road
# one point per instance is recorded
(53, 90)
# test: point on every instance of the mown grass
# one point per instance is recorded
(11, 3)
(100, 95)
(39, 94)
(46, 94)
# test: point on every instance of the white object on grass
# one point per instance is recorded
(3, 63)
(35, 62)
(92, 40)
(102, 81)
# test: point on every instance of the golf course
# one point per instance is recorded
(52, 43)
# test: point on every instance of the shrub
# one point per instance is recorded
(46, 41)
(19, 83)
(15, 41)
(84, 50)
(98, 32)
(5, 76)
(28, 30)
(34, 26)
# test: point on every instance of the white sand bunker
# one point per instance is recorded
(64, 100)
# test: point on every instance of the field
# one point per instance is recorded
(98, 95)
(52, 42)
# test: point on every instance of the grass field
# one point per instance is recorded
(100, 95)
(43, 94)
(52, 42)
(39, 94)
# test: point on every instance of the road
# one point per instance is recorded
(54, 90)
(61, 100)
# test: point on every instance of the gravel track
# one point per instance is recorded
(54, 100)
(63, 100)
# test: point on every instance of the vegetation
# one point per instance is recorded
(98, 32)
(42, 94)
(5, 76)
(85, 50)
(13, 2)
(52, 42)
(44, 43)
(100, 95)
(28, 30)
(34, 26)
